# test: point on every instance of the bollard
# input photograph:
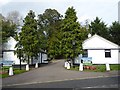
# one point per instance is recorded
(27, 67)
(81, 67)
(68, 66)
(36, 65)
(10, 71)
(107, 67)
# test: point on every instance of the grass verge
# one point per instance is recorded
(5, 71)
(99, 68)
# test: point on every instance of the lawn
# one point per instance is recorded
(4, 72)
(99, 68)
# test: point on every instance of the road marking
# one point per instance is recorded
(104, 86)
(58, 80)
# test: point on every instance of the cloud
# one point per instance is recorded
(86, 9)
(83, 19)
(3, 2)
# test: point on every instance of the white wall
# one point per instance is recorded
(9, 56)
(98, 57)
(10, 45)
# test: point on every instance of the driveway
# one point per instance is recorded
(52, 72)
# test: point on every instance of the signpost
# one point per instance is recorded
(87, 60)
(7, 62)
(84, 60)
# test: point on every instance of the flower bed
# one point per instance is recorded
(90, 67)
(97, 68)
(3, 72)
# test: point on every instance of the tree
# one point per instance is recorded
(9, 25)
(54, 48)
(47, 19)
(15, 17)
(8, 29)
(100, 28)
(114, 32)
(1, 18)
(72, 35)
(48, 26)
(28, 37)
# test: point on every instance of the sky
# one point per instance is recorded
(107, 10)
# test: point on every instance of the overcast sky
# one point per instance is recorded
(86, 9)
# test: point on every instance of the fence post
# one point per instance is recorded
(27, 67)
(36, 65)
(81, 67)
(10, 71)
(107, 67)
(68, 66)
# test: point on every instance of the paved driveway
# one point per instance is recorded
(52, 72)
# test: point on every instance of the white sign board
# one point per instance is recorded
(87, 60)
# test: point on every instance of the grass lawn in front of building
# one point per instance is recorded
(4, 72)
(97, 68)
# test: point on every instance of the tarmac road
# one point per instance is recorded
(55, 72)
(106, 82)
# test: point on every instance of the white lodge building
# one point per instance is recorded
(8, 54)
(101, 50)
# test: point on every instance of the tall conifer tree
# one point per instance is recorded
(72, 35)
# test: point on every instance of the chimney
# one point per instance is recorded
(89, 35)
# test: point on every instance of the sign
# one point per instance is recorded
(87, 60)
(7, 63)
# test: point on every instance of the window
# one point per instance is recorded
(85, 53)
(107, 53)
